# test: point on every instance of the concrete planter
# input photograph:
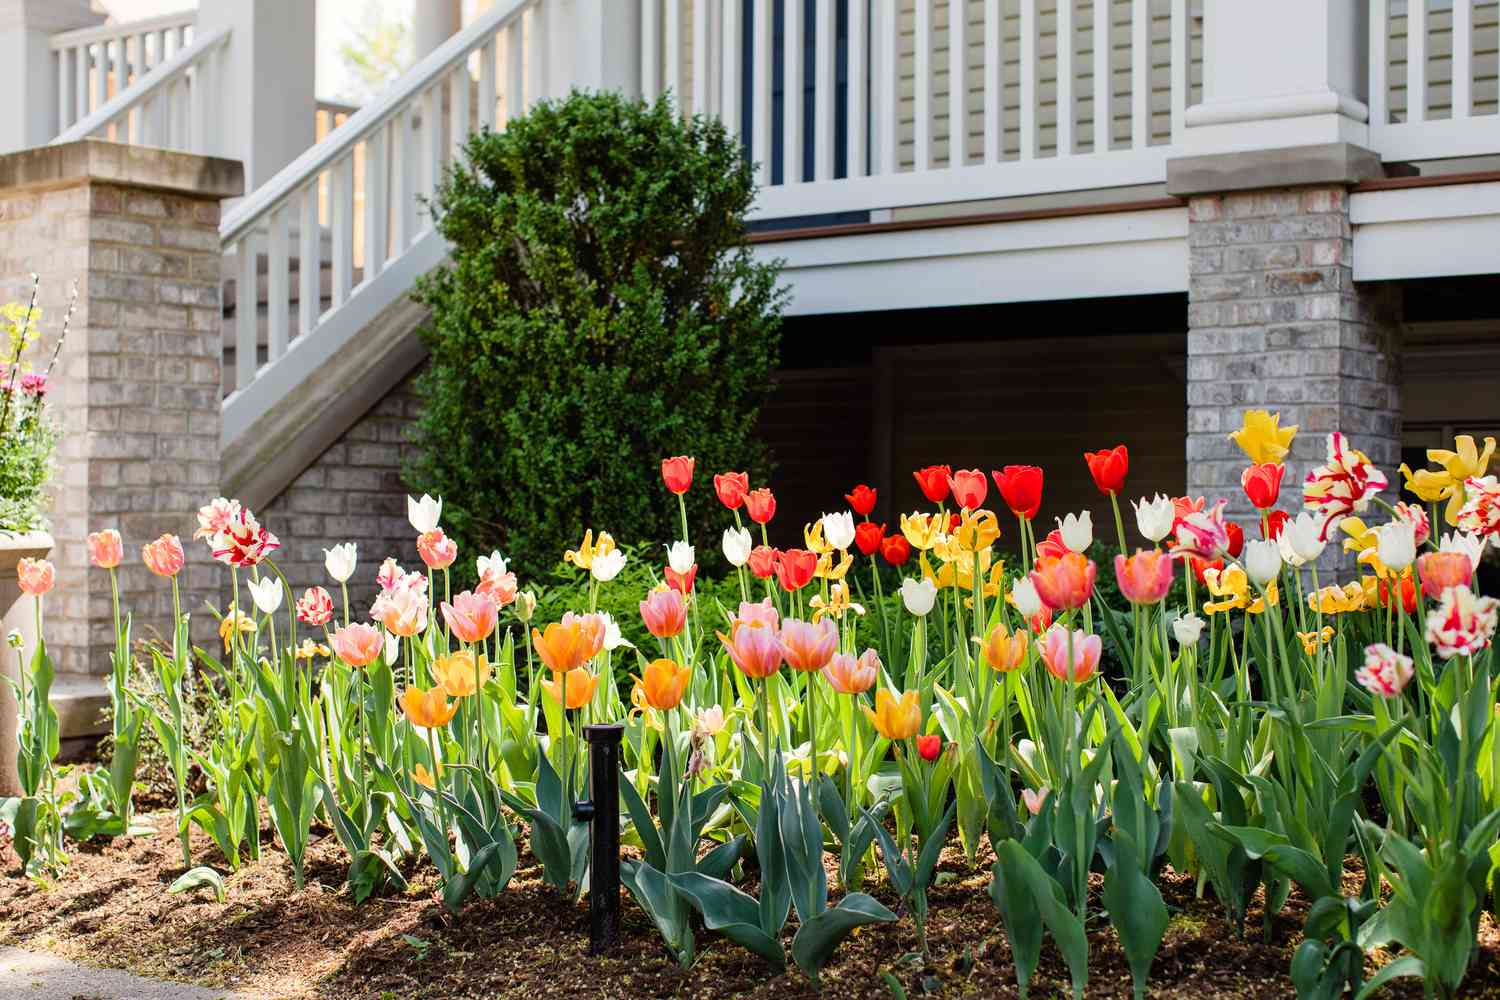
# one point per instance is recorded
(16, 612)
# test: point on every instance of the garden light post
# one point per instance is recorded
(602, 810)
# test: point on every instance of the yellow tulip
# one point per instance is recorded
(455, 672)
(311, 650)
(581, 686)
(895, 720)
(1262, 438)
(428, 709)
(812, 534)
(1334, 600)
(1312, 640)
(1364, 541)
(583, 557)
(827, 569)
(1232, 587)
(923, 531)
(234, 620)
(1465, 461)
(837, 604)
(977, 530)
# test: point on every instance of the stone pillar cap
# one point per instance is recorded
(1296, 166)
(71, 163)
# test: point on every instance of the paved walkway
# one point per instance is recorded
(29, 975)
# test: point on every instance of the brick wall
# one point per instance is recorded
(1277, 322)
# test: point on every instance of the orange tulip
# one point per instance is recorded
(456, 673)
(581, 686)
(1145, 577)
(663, 684)
(895, 720)
(1064, 581)
(1441, 570)
(570, 643)
(1005, 650)
(428, 709)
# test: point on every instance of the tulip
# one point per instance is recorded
(969, 488)
(1021, 488)
(1341, 486)
(1262, 561)
(1026, 599)
(807, 646)
(1077, 531)
(495, 582)
(762, 562)
(569, 644)
(1085, 650)
(1064, 582)
(1306, 540)
(1034, 800)
(664, 612)
(243, 542)
(456, 672)
(1108, 468)
(862, 499)
(428, 709)
(1005, 650)
(1273, 523)
(106, 548)
(760, 505)
(309, 650)
(731, 488)
(423, 515)
(868, 536)
(231, 622)
(437, 550)
(930, 747)
(1187, 628)
(924, 531)
(266, 594)
(838, 529)
(1480, 514)
(1053, 546)
(896, 550)
(663, 683)
(677, 473)
(1441, 570)
(1462, 624)
(846, 675)
(737, 545)
(589, 550)
(1146, 577)
(918, 595)
(1396, 544)
(1154, 518)
(613, 637)
(1465, 462)
(1236, 536)
(1462, 541)
(680, 556)
(1262, 438)
(389, 574)
(525, 605)
(795, 568)
(1334, 600)
(402, 611)
(471, 617)
(424, 777)
(580, 685)
(1262, 484)
(340, 561)
(1417, 517)
(315, 606)
(895, 720)
(933, 481)
(1202, 533)
(35, 576)
(607, 566)
(754, 649)
(709, 722)
(680, 582)
(1386, 672)
(215, 516)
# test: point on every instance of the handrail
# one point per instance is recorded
(143, 89)
(342, 141)
(122, 29)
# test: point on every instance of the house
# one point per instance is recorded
(1013, 230)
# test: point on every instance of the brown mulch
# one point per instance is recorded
(112, 908)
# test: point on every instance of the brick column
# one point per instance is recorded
(1276, 320)
(137, 388)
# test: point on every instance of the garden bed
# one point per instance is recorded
(112, 907)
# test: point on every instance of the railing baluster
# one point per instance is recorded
(958, 83)
(278, 299)
(432, 138)
(1180, 58)
(1103, 67)
(1140, 74)
(536, 54)
(81, 83)
(887, 127)
(731, 65)
(309, 263)
(515, 71)
(1416, 60)
(1064, 77)
(922, 87)
(246, 333)
(760, 102)
(1028, 45)
(341, 223)
(994, 87)
(700, 57)
(101, 74)
(487, 96)
(122, 67)
(672, 53)
(792, 93)
(858, 76)
(825, 88)
(1463, 56)
(458, 109)
(650, 50)
(64, 102)
(375, 204)
(1379, 64)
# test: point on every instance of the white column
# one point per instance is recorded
(268, 79)
(433, 23)
(1280, 73)
(606, 45)
(28, 70)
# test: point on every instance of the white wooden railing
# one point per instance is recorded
(394, 150)
(1054, 94)
(95, 64)
(1433, 75)
(173, 106)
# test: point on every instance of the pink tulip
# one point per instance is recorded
(807, 646)
(358, 645)
(436, 549)
(36, 576)
(164, 557)
(402, 611)
(846, 675)
(1145, 577)
(105, 548)
(755, 649)
(1054, 650)
(471, 617)
(664, 612)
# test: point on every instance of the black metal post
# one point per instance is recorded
(603, 811)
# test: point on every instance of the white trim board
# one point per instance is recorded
(1426, 232)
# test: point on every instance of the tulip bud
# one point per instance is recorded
(1396, 544)
(1262, 561)
(1187, 628)
(680, 556)
(1026, 599)
(13, 638)
(737, 546)
(525, 605)
(1154, 517)
(918, 595)
(1077, 531)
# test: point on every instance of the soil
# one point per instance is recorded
(112, 908)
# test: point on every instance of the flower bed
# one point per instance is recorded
(797, 764)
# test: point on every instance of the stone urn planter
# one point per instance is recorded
(16, 612)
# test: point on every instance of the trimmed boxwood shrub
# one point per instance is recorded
(601, 312)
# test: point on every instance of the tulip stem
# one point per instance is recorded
(1114, 501)
(179, 756)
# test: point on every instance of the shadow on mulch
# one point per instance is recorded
(111, 908)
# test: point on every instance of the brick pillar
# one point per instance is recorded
(137, 387)
(1277, 322)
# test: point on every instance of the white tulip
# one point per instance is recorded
(1289, 555)
(1077, 531)
(918, 595)
(838, 529)
(613, 639)
(490, 565)
(1396, 544)
(1262, 561)
(1027, 600)
(737, 546)
(1302, 536)
(340, 561)
(680, 556)
(607, 566)
(266, 593)
(1154, 517)
(1187, 628)
(392, 648)
(525, 605)
(1462, 541)
(425, 513)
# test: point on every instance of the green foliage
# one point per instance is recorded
(601, 312)
(27, 435)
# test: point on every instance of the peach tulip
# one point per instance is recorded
(664, 612)
(895, 720)
(458, 674)
(403, 612)
(570, 643)
(428, 709)
(1064, 581)
(471, 617)
(846, 675)
(1054, 647)
(808, 647)
(36, 576)
(358, 645)
(1005, 650)
(754, 648)
(164, 557)
(1145, 577)
(580, 687)
(436, 549)
(105, 548)
(1441, 570)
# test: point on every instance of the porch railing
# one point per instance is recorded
(95, 64)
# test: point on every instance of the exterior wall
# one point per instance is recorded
(1277, 322)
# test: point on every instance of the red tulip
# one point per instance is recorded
(1273, 523)
(1021, 488)
(760, 505)
(1201, 566)
(681, 582)
(763, 561)
(677, 473)
(930, 746)
(1262, 484)
(795, 568)
(896, 550)
(731, 488)
(969, 487)
(868, 536)
(861, 500)
(1108, 468)
(1236, 539)
(933, 481)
